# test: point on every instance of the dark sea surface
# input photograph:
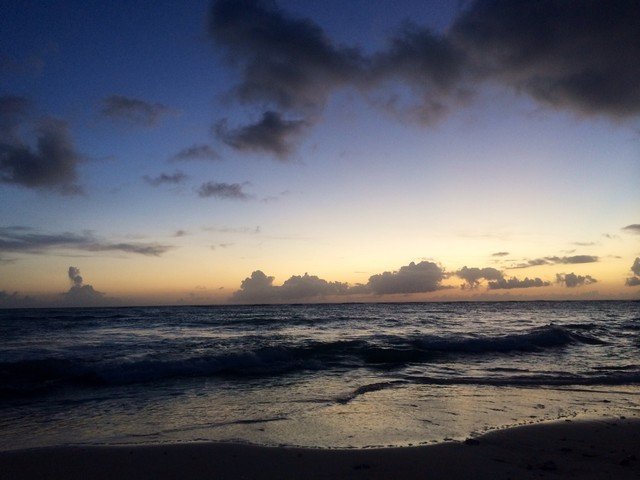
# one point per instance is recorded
(339, 375)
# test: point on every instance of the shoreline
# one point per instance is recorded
(585, 448)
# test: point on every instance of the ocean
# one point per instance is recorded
(328, 376)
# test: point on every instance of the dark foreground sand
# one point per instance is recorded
(602, 449)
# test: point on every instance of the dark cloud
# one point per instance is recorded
(74, 276)
(180, 233)
(514, 282)
(635, 268)
(13, 110)
(554, 260)
(134, 110)
(80, 294)
(51, 165)
(196, 152)
(572, 280)
(633, 228)
(222, 190)
(581, 56)
(573, 259)
(25, 240)
(147, 249)
(271, 134)
(285, 61)
(413, 278)
(473, 275)
(585, 244)
(430, 65)
(635, 280)
(164, 178)
(500, 254)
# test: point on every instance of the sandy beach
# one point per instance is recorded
(585, 449)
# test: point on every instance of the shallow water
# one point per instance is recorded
(318, 375)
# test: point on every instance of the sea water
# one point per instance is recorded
(330, 375)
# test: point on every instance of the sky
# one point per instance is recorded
(241, 151)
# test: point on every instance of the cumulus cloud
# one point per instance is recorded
(513, 282)
(26, 240)
(572, 280)
(554, 260)
(413, 278)
(134, 111)
(165, 178)
(271, 134)
(635, 268)
(80, 294)
(633, 228)
(581, 58)
(231, 191)
(51, 164)
(196, 152)
(473, 275)
(259, 288)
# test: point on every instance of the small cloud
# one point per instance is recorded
(514, 282)
(473, 275)
(134, 110)
(243, 230)
(585, 244)
(196, 152)
(572, 280)
(632, 281)
(500, 254)
(231, 191)
(165, 178)
(633, 228)
(271, 134)
(554, 260)
(180, 233)
(80, 294)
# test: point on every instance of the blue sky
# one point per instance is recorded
(191, 145)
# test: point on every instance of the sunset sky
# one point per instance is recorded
(161, 152)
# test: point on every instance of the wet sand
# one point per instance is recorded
(584, 449)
